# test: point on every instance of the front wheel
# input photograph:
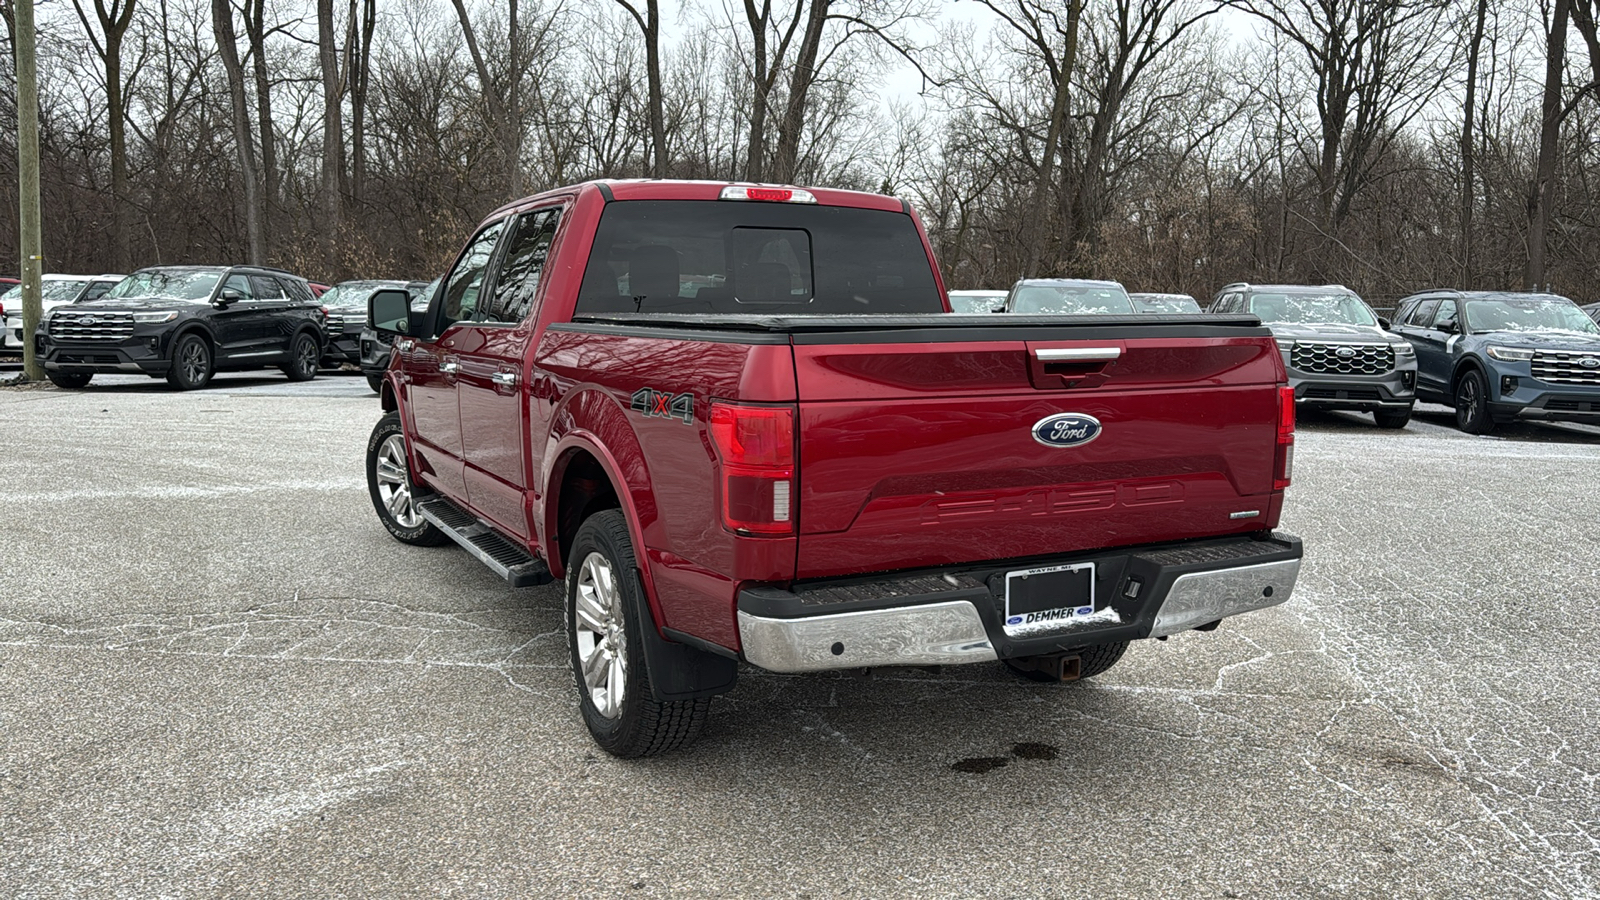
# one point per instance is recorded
(304, 355)
(1472, 404)
(72, 380)
(191, 363)
(376, 383)
(1392, 418)
(389, 484)
(606, 615)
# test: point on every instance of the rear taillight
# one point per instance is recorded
(767, 194)
(1285, 456)
(755, 446)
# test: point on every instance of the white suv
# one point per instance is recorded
(56, 290)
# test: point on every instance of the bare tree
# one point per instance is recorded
(1468, 192)
(331, 192)
(228, 47)
(1540, 196)
(649, 22)
(112, 18)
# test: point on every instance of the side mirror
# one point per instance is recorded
(227, 298)
(1385, 324)
(1448, 326)
(390, 311)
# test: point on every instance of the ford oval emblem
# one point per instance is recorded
(1589, 362)
(1345, 352)
(1066, 430)
(89, 320)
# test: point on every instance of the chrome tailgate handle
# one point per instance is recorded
(1079, 354)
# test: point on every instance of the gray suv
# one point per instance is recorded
(1339, 354)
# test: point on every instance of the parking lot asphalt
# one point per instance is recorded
(220, 677)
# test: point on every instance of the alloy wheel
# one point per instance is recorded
(602, 642)
(394, 487)
(193, 362)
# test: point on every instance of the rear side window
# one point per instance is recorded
(518, 281)
(266, 287)
(756, 258)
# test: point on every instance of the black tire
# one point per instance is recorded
(1392, 418)
(1092, 661)
(376, 383)
(1472, 404)
(638, 725)
(73, 380)
(304, 356)
(192, 363)
(389, 475)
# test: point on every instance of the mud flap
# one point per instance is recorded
(679, 671)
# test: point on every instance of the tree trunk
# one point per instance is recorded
(255, 28)
(332, 128)
(787, 155)
(757, 150)
(360, 77)
(510, 143)
(114, 21)
(1038, 234)
(227, 45)
(1468, 194)
(1540, 198)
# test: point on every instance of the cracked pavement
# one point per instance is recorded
(219, 676)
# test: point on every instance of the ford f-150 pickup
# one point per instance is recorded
(741, 424)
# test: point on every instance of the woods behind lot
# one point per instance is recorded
(1171, 144)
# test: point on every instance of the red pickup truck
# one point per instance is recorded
(741, 424)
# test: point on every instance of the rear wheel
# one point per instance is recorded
(389, 484)
(1392, 418)
(376, 383)
(1472, 404)
(1092, 661)
(191, 363)
(304, 354)
(606, 615)
(69, 379)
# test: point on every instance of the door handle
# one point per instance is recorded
(406, 345)
(1079, 354)
(507, 379)
(450, 366)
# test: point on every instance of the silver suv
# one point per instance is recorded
(1339, 354)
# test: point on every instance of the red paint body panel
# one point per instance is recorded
(908, 453)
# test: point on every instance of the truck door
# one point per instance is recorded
(491, 352)
(434, 365)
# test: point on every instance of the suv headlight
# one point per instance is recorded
(154, 318)
(1404, 348)
(1509, 354)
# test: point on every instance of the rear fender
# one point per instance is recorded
(588, 419)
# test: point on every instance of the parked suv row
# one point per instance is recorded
(55, 290)
(186, 323)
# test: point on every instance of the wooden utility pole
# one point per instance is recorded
(28, 185)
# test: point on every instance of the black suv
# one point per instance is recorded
(186, 323)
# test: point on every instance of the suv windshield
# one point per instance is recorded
(1311, 309)
(1528, 314)
(1071, 299)
(354, 295)
(189, 286)
(756, 258)
(52, 291)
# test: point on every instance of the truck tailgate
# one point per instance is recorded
(918, 452)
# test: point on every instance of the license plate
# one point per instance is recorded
(1049, 597)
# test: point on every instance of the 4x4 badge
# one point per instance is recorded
(659, 404)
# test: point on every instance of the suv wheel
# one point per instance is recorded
(389, 483)
(303, 358)
(1472, 404)
(191, 363)
(605, 617)
(69, 379)
(376, 383)
(1092, 661)
(1392, 418)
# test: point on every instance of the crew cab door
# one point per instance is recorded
(491, 354)
(433, 365)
